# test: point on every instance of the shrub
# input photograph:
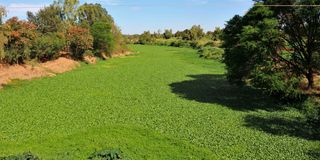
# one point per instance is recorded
(211, 53)
(24, 156)
(79, 40)
(274, 81)
(47, 47)
(180, 43)
(20, 35)
(113, 154)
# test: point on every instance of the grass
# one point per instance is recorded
(164, 103)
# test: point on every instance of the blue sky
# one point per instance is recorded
(136, 16)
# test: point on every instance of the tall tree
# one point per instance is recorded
(69, 8)
(3, 13)
(48, 19)
(275, 48)
(91, 13)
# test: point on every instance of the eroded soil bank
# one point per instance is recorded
(27, 71)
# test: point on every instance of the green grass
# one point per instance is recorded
(164, 103)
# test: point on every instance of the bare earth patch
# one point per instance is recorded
(27, 72)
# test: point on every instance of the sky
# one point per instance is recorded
(136, 16)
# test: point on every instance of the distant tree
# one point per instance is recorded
(145, 38)
(103, 37)
(168, 34)
(48, 19)
(196, 32)
(3, 13)
(215, 35)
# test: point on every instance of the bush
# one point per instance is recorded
(211, 53)
(103, 37)
(20, 35)
(113, 154)
(47, 47)
(312, 114)
(24, 156)
(79, 40)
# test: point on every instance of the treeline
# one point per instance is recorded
(276, 49)
(207, 43)
(64, 28)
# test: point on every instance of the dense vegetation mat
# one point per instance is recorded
(164, 103)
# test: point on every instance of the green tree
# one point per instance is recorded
(168, 34)
(196, 32)
(48, 19)
(274, 48)
(145, 38)
(69, 8)
(103, 37)
(91, 13)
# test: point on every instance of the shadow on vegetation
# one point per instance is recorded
(282, 126)
(314, 154)
(210, 88)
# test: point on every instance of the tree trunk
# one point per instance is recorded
(310, 78)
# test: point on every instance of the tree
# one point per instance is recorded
(216, 34)
(3, 13)
(69, 8)
(145, 38)
(103, 37)
(91, 13)
(168, 34)
(301, 28)
(196, 32)
(274, 48)
(48, 19)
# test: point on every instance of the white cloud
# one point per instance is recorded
(24, 7)
(112, 2)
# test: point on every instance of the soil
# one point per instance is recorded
(27, 72)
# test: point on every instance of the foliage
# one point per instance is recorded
(48, 19)
(278, 45)
(79, 40)
(211, 53)
(69, 9)
(145, 38)
(312, 112)
(215, 35)
(103, 37)
(47, 46)
(24, 156)
(112, 154)
(168, 34)
(20, 36)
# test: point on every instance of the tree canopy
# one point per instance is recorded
(274, 48)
